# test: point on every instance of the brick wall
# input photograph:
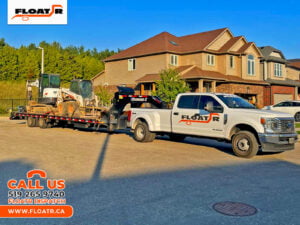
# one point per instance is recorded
(267, 95)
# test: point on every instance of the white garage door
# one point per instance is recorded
(282, 97)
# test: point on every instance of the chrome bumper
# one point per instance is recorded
(277, 142)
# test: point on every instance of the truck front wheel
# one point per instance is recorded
(142, 133)
(244, 144)
(297, 117)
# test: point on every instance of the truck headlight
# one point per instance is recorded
(271, 125)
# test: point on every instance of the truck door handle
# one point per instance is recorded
(176, 113)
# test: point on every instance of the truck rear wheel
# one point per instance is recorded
(142, 133)
(42, 123)
(244, 144)
(31, 122)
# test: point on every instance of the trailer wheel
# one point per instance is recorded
(42, 123)
(244, 144)
(142, 133)
(31, 122)
(176, 137)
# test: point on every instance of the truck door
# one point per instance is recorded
(212, 113)
(204, 118)
(187, 105)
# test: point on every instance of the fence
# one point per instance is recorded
(7, 105)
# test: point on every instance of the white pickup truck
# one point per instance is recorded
(223, 117)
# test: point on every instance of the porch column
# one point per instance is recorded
(200, 85)
(213, 86)
(153, 87)
(142, 89)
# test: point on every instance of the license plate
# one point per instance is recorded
(291, 140)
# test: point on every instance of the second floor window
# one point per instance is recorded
(210, 60)
(174, 60)
(131, 64)
(277, 70)
(231, 61)
(251, 65)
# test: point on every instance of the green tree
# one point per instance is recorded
(170, 85)
(70, 62)
(104, 95)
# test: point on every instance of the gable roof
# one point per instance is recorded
(169, 43)
(166, 42)
(267, 51)
(229, 44)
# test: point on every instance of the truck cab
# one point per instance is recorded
(218, 116)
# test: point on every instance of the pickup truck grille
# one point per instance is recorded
(287, 125)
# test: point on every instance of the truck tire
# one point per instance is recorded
(31, 122)
(297, 117)
(176, 137)
(142, 133)
(42, 123)
(244, 144)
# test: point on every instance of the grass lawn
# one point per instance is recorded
(297, 125)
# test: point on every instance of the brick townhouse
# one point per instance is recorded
(280, 75)
(213, 61)
(293, 72)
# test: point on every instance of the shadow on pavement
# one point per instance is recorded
(182, 197)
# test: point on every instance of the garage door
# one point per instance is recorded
(282, 97)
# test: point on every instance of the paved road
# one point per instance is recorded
(111, 179)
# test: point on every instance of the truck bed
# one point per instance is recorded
(162, 118)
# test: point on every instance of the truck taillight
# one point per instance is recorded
(129, 116)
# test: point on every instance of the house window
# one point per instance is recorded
(251, 65)
(174, 60)
(278, 70)
(210, 60)
(131, 64)
(231, 61)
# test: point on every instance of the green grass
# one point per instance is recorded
(297, 125)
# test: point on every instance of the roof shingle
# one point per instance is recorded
(166, 42)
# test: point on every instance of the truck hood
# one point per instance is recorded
(262, 112)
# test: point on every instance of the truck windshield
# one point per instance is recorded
(233, 101)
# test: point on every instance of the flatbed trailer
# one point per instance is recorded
(114, 118)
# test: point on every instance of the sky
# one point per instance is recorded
(114, 24)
